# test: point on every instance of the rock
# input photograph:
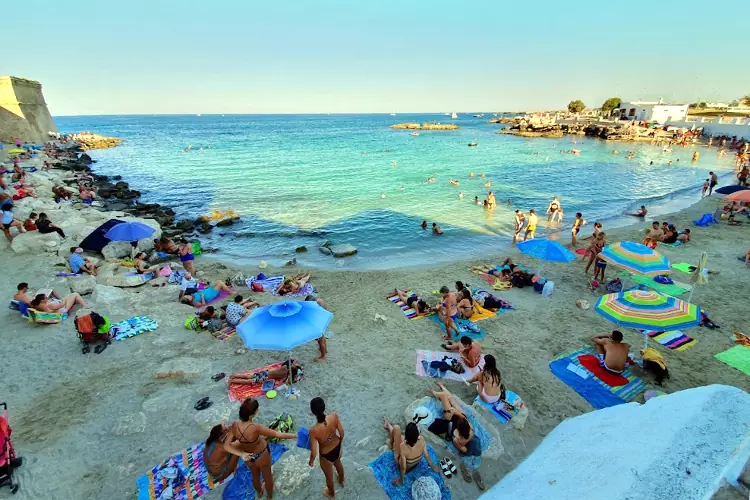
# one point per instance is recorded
(117, 250)
(344, 250)
(291, 263)
(301, 249)
(185, 225)
(35, 242)
(129, 424)
(82, 285)
(204, 228)
(108, 295)
(128, 280)
(118, 206)
(85, 159)
(219, 412)
(227, 222)
(325, 250)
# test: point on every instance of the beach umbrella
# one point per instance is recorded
(546, 251)
(129, 231)
(743, 195)
(284, 326)
(648, 310)
(636, 258)
(730, 189)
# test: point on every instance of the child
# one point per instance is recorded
(9, 220)
(601, 266)
(705, 188)
(30, 223)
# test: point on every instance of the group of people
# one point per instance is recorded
(47, 300)
(666, 233)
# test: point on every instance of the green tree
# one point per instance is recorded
(610, 104)
(576, 106)
(702, 105)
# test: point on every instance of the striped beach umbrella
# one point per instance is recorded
(648, 310)
(636, 258)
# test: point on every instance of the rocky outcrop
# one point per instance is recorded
(82, 285)
(606, 131)
(34, 242)
(344, 250)
(23, 111)
(425, 126)
(96, 141)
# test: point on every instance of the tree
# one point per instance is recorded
(745, 100)
(576, 106)
(702, 105)
(610, 104)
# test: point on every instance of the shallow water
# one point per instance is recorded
(302, 179)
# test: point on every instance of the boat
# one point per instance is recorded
(393, 114)
(473, 144)
(415, 134)
(480, 115)
(454, 115)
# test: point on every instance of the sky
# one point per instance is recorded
(334, 56)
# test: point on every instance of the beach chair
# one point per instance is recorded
(8, 459)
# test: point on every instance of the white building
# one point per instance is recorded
(653, 111)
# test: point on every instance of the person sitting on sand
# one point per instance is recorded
(326, 438)
(185, 251)
(210, 314)
(249, 441)
(436, 229)
(448, 312)
(654, 236)
(236, 311)
(684, 236)
(165, 245)
(41, 303)
(489, 382)
(465, 304)
(322, 341)
(414, 301)
(280, 374)
(219, 462)
(293, 284)
(611, 351)
(45, 226)
(469, 350)
(408, 449)
(86, 194)
(139, 264)
(79, 264)
(9, 221)
(19, 174)
(22, 295)
(202, 297)
(670, 235)
(61, 193)
(30, 223)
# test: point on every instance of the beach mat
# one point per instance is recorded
(385, 469)
(505, 409)
(674, 290)
(480, 295)
(675, 340)
(240, 392)
(409, 312)
(462, 327)
(591, 363)
(685, 267)
(222, 295)
(225, 333)
(268, 284)
(495, 282)
(593, 390)
(737, 357)
(424, 358)
(132, 326)
(241, 485)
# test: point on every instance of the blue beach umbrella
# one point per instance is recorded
(129, 231)
(284, 325)
(546, 251)
(730, 189)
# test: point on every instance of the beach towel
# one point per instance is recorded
(240, 392)
(676, 244)
(409, 312)
(143, 277)
(133, 326)
(685, 267)
(505, 409)
(675, 290)
(45, 318)
(481, 313)
(241, 485)
(385, 469)
(424, 358)
(68, 275)
(568, 368)
(736, 357)
(224, 334)
(495, 282)
(705, 220)
(269, 283)
(591, 363)
(481, 295)
(675, 340)
(463, 327)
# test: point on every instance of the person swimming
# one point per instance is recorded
(424, 224)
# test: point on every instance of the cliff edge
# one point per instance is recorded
(23, 111)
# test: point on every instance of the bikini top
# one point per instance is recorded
(242, 433)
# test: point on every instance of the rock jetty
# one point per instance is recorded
(88, 141)
(606, 131)
(425, 126)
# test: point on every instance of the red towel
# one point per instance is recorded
(582, 251)
(591, 363)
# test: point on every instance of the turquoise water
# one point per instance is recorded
(302, 179)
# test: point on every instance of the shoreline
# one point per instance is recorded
(56, 395)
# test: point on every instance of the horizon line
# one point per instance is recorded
(295, 113)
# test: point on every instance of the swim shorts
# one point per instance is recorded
(187, 258)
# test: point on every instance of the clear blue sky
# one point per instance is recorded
(248, 56)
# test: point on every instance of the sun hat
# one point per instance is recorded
(420, 413)
(262, 264)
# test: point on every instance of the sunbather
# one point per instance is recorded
(489, 382)
(202, 297)
(165, 245)
(414, 301)
(293, 284)
(40, 303)
(22, 295)
(469, 350)
(322, 341)
(139, 264)
(280, 374)
(237, 310)
(45, 226)
(465, 304)
(326, 438)
(612, 351)
(408, 449)
(219, 462)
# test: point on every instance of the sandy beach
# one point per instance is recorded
(89, 425)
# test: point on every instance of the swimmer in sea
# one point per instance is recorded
(553, 210)
(401, 188)
(482, 176)
(488, 184)
(510, 202)
(394, 163)
(424, 224)
(436, 229)
(476, 200)
(639, 213)
(471, 174)
(431, 179)
(461, 196)
(454, 182)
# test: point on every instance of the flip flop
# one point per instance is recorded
(465, 473)
(478, 479)
(446, 470)
(98, 349)
(202, 404)
(451, 466)
(218, 376)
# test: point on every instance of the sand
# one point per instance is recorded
(89, 425)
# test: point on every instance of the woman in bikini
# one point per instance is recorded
(139, 264)
(326, 437)
(185, 251)
(203, 297)
(294, 284)
(248, 441)
(40, 303)
(465, 304)
(489, 382)
(597, 244)
(448, 312)
(219, 462)
(408, 449)
(414, 301)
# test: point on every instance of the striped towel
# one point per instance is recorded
(225, 333)
(505, 409)
(240, 392)
(307, 289)
(270, 283)
(675, 340)
(409, 312)
(132, 326)
(424, 358)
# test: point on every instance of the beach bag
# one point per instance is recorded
(284, 424)
(256, 287)
(664, 280)
(213, 325)
(91, 328)
(548, 288)
(192, 323)
(539, 285)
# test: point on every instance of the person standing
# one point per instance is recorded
(185, 251)
(742, 176)
(714, 181)
(326, 438)
(531, 227)
(520, 220)
(577, 223)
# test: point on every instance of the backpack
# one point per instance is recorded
(284, 423)
(614, 286)
(192, 323)
(91, 323)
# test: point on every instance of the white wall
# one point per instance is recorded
(663, 114)
(739, 127)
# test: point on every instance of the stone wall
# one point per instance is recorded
(23, 111)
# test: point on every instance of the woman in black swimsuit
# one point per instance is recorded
(248, 440)
(326, 436)
(414, 301)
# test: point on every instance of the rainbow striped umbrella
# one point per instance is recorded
(648, 310)
(636, 258)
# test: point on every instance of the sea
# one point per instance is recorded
(303, 180)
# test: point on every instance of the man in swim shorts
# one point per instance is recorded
(611, 351)
(531, 227)
(448, 311)
(714, 181)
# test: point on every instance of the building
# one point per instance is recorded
(23, 111)
(652, 111)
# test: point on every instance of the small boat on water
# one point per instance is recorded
(415, 134)
(454, 115)
(480, 115)
(393, 114)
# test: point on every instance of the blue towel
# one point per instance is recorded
(461, 324)
(705, 220)
(132, 327)
(590, 389)
(241, 485)
(385, 470)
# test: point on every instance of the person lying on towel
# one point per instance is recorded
(612, 351)
(280, 374)
(202, 297)
(414, 301)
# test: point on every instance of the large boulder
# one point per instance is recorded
(344, 250)
(108, 295)
(128, 280)
(82, 285)
(35, 242)
(117, 250)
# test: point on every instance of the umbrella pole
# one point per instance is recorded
(290, 376)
